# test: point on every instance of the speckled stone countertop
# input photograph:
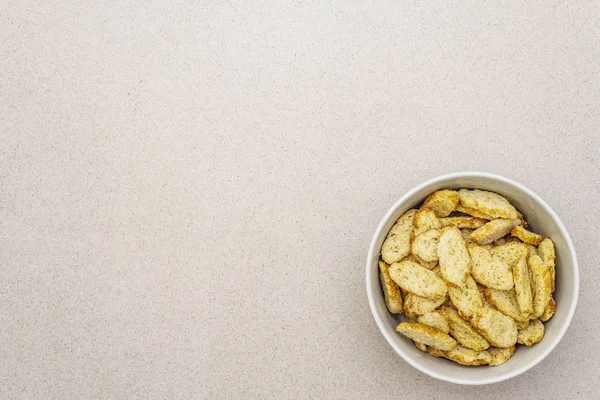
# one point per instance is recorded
(188, 189)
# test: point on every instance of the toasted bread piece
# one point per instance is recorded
(487, 202)
(391, 291)
(500, 355)
(425, 245)
(542, 281)
(425, 220)
(435, 319)
(472, 212)
(522, 324)
(497, 328)
(549, 311)
(547, 252)
(526, 236)
(442, 202)
(466, 299)
(396, 245)
(533, 251)
(425, 334)
(504, 301)
(494, 230)
(463, 332)
(510, 252)
(418, 280)
(436, 352)
(421, 347)
(489, 270)
(548, 255)
(416, 305)
(463, 222)
(466, 356)
(453, 257)
(532, 333)
(520, 272)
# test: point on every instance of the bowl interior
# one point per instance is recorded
(542, 220)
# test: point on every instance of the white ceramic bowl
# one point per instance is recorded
(542, 219)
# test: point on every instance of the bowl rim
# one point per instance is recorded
(373, 251)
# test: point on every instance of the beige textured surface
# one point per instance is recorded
(188, 189)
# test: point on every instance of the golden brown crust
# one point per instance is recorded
(497, 328)
(487, 202)
(472, 212)
(391, 291)
(442, 202)
(396, 245)
(417, 279)
(425, 334)
(548, 256)
(526, 236)
(494, 230)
